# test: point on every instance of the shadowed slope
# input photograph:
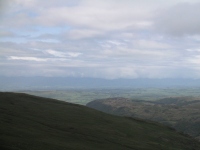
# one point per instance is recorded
(34, 123)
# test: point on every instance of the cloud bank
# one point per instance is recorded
(100, 38)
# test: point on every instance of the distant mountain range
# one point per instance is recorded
(22, 83)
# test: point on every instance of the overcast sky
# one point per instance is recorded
(100, 38)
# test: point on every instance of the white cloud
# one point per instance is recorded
(27, 58)
(63, 54)
(73, 54)
(56, 53)
(195, 61)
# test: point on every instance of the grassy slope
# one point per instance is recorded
(34, 123)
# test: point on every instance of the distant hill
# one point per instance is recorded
(181, 113)
(41, 83)
(35, 123)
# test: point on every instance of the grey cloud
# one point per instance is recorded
(77, 34)
(3, 5)
(179, 20)
(46, 36)
(6, 34)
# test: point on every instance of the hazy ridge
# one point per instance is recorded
(56, 83)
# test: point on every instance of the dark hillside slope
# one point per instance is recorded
(33, 123)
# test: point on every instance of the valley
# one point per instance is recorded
(85, 95)
(36, 123)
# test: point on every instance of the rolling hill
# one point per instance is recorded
(181, 113)
(35, 123)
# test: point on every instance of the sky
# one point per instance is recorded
(108, 39)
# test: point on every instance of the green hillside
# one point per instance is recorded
(34, 123)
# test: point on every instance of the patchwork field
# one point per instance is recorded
(83, 96)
